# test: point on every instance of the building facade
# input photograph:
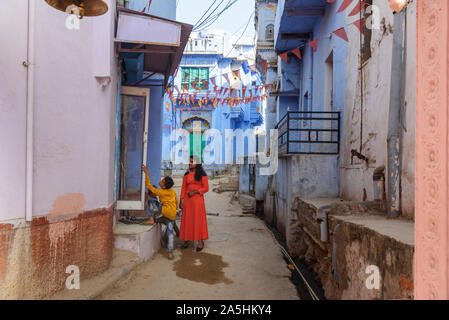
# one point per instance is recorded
(345, 107)
(66, 99)
(215, 87)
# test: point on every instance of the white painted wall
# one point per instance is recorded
(75, 123)
(377, 78)
(13, 86)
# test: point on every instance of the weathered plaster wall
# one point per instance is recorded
(74, 115)
(74, 146)
(342, 271)
(304, 176)
(34, 257)
(376, 98)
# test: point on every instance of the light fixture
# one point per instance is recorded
(81, 8)
(397, 5)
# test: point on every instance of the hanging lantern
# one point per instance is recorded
(397, 5)
(81, 8)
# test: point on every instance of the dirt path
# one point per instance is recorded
(240, 261)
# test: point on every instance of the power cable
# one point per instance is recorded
(211, 20)
(207, 12)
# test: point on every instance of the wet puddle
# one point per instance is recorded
(201, 267)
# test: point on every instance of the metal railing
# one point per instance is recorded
(316, 132)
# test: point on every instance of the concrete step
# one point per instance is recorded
(142, 240)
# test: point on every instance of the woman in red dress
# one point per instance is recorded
(193, 221)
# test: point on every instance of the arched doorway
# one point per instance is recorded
(196, 126)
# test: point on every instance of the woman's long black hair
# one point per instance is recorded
(199, 170)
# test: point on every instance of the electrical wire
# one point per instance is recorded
(207, 12)
(201, 22)
(210, 20)
(236, 43)
(287, 255)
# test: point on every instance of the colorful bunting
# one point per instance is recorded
(344, 5)
(297, 52)
(360, 5)
(360, 24)
(226, 76)
(341, 33)
(314, 45)
(236, 73)
(283, 56)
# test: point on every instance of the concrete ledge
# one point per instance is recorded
(142, 240)
(400, 230)
(359, 236)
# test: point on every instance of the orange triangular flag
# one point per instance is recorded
(341, 33)
(297, 53)
(360, 24)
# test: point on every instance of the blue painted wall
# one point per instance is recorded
(309, 175)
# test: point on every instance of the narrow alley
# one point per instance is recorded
(241, 260)
(300, 143)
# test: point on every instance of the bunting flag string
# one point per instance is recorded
(297, 52)
(226, 76)
(220, 98)
(283, 56)
(314, 45)
(360, 5)
(236, 73)
(360, 24)
(341, 33)
(344, 5)
(223, 95)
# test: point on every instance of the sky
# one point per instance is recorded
(234, 20)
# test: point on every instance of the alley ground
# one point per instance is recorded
(241, 260)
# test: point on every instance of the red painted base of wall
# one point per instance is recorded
(85, 241)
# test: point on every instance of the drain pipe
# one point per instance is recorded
(30, 112)
(310, 102)
(322, 220)
(394, 119)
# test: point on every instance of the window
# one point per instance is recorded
(269, 32)
(190, 74)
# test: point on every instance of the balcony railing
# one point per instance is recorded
(309, 133)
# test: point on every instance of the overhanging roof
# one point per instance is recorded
(297, 21)
(161, 40)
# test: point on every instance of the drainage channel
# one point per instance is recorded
(302, 277)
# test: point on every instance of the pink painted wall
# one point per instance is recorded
(431, 184)
(75, 124)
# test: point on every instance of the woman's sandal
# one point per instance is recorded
(198, 249)
(170, 256)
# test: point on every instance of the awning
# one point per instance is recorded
(296, 21)
(162, 41)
